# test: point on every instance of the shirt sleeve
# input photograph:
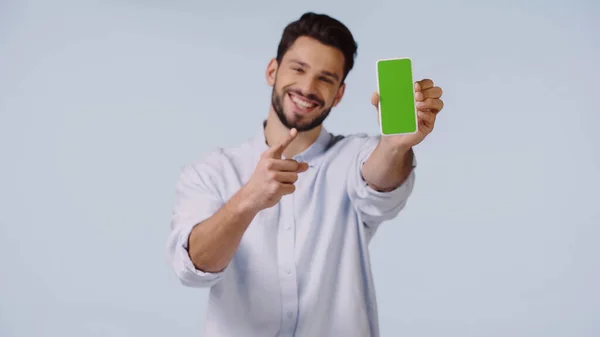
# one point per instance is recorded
(374, 206)
(196, 200)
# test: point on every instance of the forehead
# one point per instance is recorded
(316, 55)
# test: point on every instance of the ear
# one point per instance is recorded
(271, 72)
(340, 94)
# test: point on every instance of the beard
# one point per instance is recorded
(277, 104)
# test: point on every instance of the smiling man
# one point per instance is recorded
(279, 226)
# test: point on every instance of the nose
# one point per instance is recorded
(308, 85)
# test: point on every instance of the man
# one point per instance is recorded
(279, 226)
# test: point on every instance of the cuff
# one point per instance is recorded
(363, 190)
(191, 275)
(376, 206)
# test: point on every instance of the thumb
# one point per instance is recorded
(302, 167)
(375, 102)
(277, 150)
(375, 99)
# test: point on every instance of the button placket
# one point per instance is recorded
(286, 250)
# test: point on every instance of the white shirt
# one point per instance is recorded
(302, 267)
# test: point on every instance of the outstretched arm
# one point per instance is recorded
(391, 162)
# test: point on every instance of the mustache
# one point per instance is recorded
(311, 97)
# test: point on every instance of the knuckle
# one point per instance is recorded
(269, 163)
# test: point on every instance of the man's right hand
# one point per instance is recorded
(273, 177)
(213, 242)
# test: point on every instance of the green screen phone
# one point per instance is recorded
(397, 108)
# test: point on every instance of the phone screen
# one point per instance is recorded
(397, 110)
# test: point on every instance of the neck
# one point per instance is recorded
(275, 132)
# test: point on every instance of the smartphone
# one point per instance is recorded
(397, 106)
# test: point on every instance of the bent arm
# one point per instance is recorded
(213, 242)
(380, 180)
(388, 167)
(205, 230)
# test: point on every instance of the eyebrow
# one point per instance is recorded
(324, 72)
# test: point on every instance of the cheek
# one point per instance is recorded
(283, 78)
(331, 95)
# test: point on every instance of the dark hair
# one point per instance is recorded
(324, 29)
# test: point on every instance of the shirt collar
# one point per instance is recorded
(309, 155)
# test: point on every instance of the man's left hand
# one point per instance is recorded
(429, 104)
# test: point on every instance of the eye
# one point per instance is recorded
(326, 80)
(298, 70)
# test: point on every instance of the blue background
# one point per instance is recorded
(102, 102)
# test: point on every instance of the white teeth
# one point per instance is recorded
(301, 103)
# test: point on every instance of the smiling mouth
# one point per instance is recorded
(302, 103)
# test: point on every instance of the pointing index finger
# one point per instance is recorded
(277, 150)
